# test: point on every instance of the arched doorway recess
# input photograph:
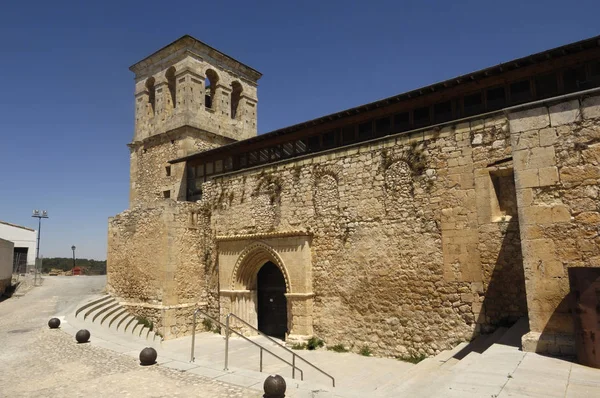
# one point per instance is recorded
(271, 302)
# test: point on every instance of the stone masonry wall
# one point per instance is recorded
(159, 264)
(406, 246)
(557, 170)
(149, 162)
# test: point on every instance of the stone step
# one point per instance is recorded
(115, 319)
(129, 323)
(96, 307)
(91, 303)
(108, 307)
(109, 315)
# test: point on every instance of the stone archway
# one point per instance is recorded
(241, 258)
(257, 265)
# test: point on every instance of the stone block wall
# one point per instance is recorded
(151, 176)
(557, 171)
(159, 263)
(411, 251)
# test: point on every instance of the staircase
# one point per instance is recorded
(480, 368)
(108, 313)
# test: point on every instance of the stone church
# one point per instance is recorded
(406, 225)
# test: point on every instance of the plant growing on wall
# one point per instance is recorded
(413, 155)
(270, 185)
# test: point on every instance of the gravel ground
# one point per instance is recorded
(36, 361)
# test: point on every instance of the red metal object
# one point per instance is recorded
(585, 307)
(77, 271)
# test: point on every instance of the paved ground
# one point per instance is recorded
(39, 362)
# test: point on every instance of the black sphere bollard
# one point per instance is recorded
(54, 323)
(148, 356)
(82, 336)
(274, 387)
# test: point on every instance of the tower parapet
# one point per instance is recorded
(189, 97)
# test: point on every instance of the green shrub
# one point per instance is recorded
(338, 348)
(413, 359)
(145, 321)
(314, 343)
(208, 325)
(366, 351)
(299, 346)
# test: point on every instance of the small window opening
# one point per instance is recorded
(421, 117)
(211, 88)
(243, 160)
(236, 95)
(348, 134)
(166, 194)
(209, 168)
(504, 197)
(401, 121)
(328, 140)
(195, 178)
(168, 171)
(314, 143)
(574, 79)
(288, 149)
(473, 104)
(496, 98)
(218, 166)
(228, 163)
(263, 155)
(151, 92)
(520, 92)
(595, 70)
(546, 86)
(276, 152)
(442, 112)
(301, 146)
(170, 75)
(383, 126)
(365, 130)
(252, 158)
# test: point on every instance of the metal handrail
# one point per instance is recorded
(294, 355)
(227, 332)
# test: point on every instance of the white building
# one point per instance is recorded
(6, 262)
(24, 240)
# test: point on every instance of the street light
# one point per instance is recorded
(72, 269)
(39, 214)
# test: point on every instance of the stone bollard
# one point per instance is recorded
(274, 387)
(54, 323)
(148, 356)
(82, 336)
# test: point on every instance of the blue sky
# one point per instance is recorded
(66, 95)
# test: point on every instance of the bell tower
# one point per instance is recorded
(189, 97)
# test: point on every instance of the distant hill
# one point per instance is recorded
(91, 267)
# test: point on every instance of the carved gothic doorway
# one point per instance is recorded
(272, 304)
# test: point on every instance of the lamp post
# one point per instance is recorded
(39, 214)
(73, 268)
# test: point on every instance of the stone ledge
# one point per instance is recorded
(283, 234)
(549, 343)
(162, 307)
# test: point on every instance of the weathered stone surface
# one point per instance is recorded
(565, 113)
(530, 119)
(590, 107)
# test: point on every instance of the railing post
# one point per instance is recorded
(193, 337)
(261, 358)
(226, 342)
(294, 366)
